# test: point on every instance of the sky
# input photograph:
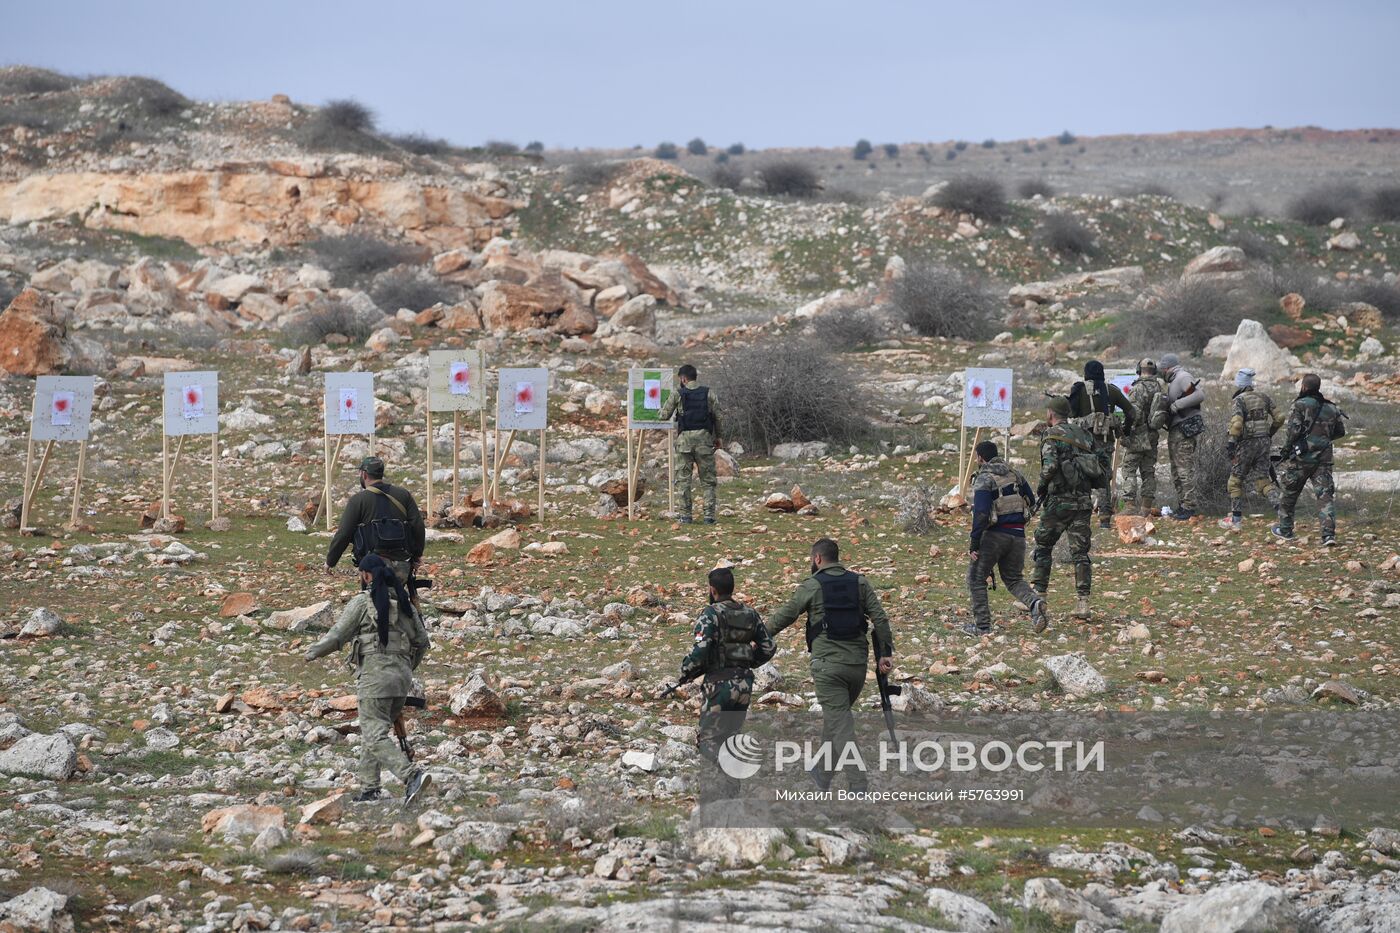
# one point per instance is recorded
(768, 73)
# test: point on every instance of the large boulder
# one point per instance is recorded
(37, 910)
(1075, 676)
(506, 308)
(1215, 264)
(964, 913)
(41, 623)
(1245, 907)
(31, 340)
(476, 698)
(242, 820)
(1253, 347)
(1050, 896)
(46, 756)
(639, 315)
(316, 616)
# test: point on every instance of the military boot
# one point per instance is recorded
(1232, 522)
(1149, 508)
(1081, 609)
(1040, 616)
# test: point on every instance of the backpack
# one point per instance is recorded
(1080, 468)
(738, 628)
(1256, 410)
(383, 534)
(1008, 499)
(842, 619)
(1150, 406)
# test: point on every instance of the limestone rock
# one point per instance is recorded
(1215, 261)
(242, 820)
(324, 811)
(316, 616)
(507, 540)
(41, 623)
(805, 451)
(31, 344)
(735, 846)
(1075, 676)
(777, 502)
(1051, 896)
(237, 604)
(382, 340)
(638, 314)
(1252, 347)
(483, 552)
(1133, 529)
(1346, 241)
(481, 835)
(46, 756)
(37, 910)
(726, 466)
(963, 912)
(1242, 907)
(476, 698)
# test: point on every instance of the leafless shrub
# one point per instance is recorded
(941, 302)
(1256, 246)
(1319, 293)
(592, 174)
(857, 327)
(355, 257)
(1383, 204)
(501, 147)
(775, 392)
(306, 862)
(1182, 319)
(313, 327)
(791, 178)
(1065, 234)
(1212, 462)
(1384, 297)
(341, 126)
(982, 197)
(727, 176)
(34, 81)
(422, 144)
(408, 289)
(1035, 186)
(1320, 206)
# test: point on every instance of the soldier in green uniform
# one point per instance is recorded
(1091, 405)
(380, 519)
(1253, 422)
(1066, 481)
(1001, 503)
(840, 606)
(1139, 463)
(696, 413)
(1184, 425)
(1313, 424)
(388, 642)
(730, 641)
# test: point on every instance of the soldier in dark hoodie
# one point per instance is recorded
(1313, 424)
(1091, 404)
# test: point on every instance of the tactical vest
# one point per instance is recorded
(1257, 412)
(738, 628)
(367, 642)
(387, 532)
(1080, 471)
(842, 619)
(695, 409)
(1009, 500)
(1100, 424)
(1325, 426)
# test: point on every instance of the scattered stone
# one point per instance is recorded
(323, 812)
(318, 616)
(37, 755)
(507, 540)
(41, 623)
(810, 450)
(483, 552)
(1241, 907)
(237, 604)
(1075, 676)
(1051, 896)
(476, 698)
(643, 761)
(1346, 241)
(736, 846)
(37, 910)
(548, 548)
(1133, 529)
(777, 502)
(242, 820)
(1338, 690)
(963, 912)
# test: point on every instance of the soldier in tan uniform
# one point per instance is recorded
(696, 413)
(1253, 422)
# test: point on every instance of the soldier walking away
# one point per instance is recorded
(380, 519)
(696, 413)
(841, 607)
(1091, 404)
(730, 641)
(388, 642)
(1069, 471)
(1313, 424)
(1139, 463)
(1184, 425)
(1253, 422)
(1001, 502)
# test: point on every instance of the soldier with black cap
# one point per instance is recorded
(380, 519)
(1091, 404)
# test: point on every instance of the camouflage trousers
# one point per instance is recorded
(1139, 471)
(723, 707)
(1103, 498)
(1251, 465)
(1181, 451)
(696, 455)
(378, 746)
(1294, 477)
(1067, 517)
(1004, 553)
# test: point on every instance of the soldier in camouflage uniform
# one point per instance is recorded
(1139, 462)
(1091, 405)
(1067, 503)
(696, 412)
(1184, 425)
(841, 608)
(1313, 424)
(1001, 503)
(388, 642)
(730, 641)
(1253, 421)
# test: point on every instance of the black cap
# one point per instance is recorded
(373, 466)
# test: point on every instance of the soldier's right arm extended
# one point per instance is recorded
(870, 604)
(787, 613)
(345, 628)
(668, 410)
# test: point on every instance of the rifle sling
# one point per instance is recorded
(397, 504)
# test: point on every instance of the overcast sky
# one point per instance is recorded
(766, 72)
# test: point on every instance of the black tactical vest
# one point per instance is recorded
(695, 409)
(738, 627)
(842, 619)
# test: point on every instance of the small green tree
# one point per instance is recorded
(1066, 138)
(666, 151)
(891, 150)
(736, 149)
(697, 147)
(862, 149)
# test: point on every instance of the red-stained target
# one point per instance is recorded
(60, 404)
(654, 392)
(1001, 393)
(976, 391)
(525, 394)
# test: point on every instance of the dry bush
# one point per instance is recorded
(355, 257)
(666, 151)
(735, 149)
(1212, 462)
(341, 126)
(1149, 189)
(1182, 319)
(779, 391)
(1383, 204)
(35, 81)
(727, 176)
(1256, 246)
(306, 862)
(861, 149)
(697, 147)
(941, 302)
(1032, 186)
(1384, 297)
(1319, 293)
(980, 196)
(315, 326)
(592, 174)
(408, 289)
(422, 144)
(1320, 206)
(501, 147)
(1066, 138)
(858, 327)
(916, 510)
(149, 97)
(535, 147)
(1065, 234)
(790, 178)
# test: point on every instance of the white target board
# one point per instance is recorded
(349, 403)
(456, 380)
(522, 399)
(988, 398)
(62, 408)
(191, 403)
(1122, 378)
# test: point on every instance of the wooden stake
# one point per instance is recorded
(485, 474)
(631, 492)
(962, 447)
(164, 474)
(38, 480)
(78, 482)
(501, 456)
(214, 477)
(967, 475)
(540, 470)
(456, 455)
(24, 492)
(325, 485)
(430, 458)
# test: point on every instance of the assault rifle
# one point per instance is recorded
(677, 685)
(887, 689)
(400, 731)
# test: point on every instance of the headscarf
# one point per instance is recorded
(1094, 385)
(384, 579)
(1244, 379)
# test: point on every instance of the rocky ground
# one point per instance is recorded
(169, 761)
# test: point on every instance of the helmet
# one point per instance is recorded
(1147, 365)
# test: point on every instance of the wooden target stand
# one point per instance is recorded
(986, 419)
(457, 461)
(636, 449)
(500, 461)
(33, 481)
(511, 382)
(169, 463)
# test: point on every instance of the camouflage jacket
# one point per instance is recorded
(1141, 437)
(385, 671)
(1252, 414)
(706, 651)
(1060, 442)
(1313, 424)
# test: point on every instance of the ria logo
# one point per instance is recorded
(739, 757)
